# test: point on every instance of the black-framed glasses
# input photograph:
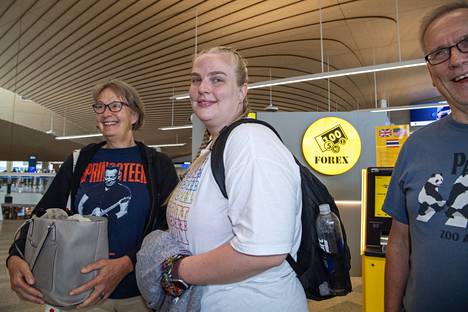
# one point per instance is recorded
(443, 54)
(114, 107)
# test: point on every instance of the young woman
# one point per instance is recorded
(240, 244)
(119, 178)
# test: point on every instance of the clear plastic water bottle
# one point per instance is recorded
(331, 242)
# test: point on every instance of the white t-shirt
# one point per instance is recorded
(261, 217)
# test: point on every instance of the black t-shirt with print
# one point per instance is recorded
(114, 185)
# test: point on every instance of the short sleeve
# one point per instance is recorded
(395, 201)
(263, 186)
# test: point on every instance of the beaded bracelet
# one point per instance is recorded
(174, 287)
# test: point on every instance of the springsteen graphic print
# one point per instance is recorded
(103, 191)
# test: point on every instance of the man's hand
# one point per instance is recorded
(111, 272)
(22, 280)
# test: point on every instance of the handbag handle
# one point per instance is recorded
(39, 246)
(16, 236)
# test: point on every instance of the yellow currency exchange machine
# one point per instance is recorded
(375, 228)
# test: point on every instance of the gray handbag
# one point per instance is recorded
(57, 249)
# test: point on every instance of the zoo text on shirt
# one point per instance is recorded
(129, 172)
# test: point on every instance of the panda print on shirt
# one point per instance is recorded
(457, 203)
(455, 208)
(429, 199)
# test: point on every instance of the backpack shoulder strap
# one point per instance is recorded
(293, 263)
(217, 151)
(217, 164)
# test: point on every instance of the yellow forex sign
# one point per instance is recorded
(331, 145)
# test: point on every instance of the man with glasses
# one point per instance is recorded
(121, 179)
(426, 268)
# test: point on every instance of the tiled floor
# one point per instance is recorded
(9, 302)
(349, 303)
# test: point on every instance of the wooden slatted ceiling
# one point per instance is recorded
(55, 51)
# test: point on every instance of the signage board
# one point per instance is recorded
(331, 145)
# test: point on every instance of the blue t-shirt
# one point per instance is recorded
(114, 185)
(429, 192)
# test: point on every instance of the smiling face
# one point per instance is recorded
(115, 126)
(111, 177)
(450, 77)
(216, 97)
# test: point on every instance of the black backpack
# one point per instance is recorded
(309, 267)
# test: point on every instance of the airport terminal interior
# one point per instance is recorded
(310, 63)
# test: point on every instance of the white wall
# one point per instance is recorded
(35, 116)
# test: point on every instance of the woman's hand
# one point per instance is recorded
(111, 272)
(22, 280)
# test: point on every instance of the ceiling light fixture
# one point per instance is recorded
(51, 128)
(176, 127)
(408, 107)
(168, 145)
(181, 97)
(327, 75)
(339, 73)
(80, 136)
(172, 127)
(270, 107)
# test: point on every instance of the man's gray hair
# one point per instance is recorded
(436, 13)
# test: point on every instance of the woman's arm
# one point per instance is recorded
(224, 265)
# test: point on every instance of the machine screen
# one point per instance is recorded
(381, 187)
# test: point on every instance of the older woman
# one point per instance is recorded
(119, 178)
(239, 245)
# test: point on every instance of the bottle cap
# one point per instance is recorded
(324, 208)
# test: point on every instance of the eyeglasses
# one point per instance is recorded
(443, 54)
(114, 107)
